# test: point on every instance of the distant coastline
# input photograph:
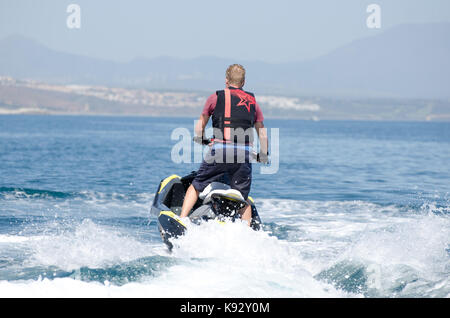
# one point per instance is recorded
(36, 97)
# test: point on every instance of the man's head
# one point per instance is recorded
(235, 75)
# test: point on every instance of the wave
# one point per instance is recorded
(11, 193)
(306, 249)
(117, 274)
(86, 244)
(378, 280)
(128, 272)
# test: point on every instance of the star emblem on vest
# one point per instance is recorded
(245, 99)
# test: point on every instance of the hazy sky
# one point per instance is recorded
(271, 31)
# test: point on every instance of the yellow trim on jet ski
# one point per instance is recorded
(233, 197)
(167, 180)
(173, 216)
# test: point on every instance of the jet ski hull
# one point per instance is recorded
(167, 205)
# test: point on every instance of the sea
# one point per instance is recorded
(351, 209)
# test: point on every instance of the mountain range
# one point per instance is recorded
(405, 61)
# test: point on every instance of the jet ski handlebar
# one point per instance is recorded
(202, 140)
(256, 156)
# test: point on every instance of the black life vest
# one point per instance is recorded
(235, 109)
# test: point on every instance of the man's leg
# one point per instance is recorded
(189, 200)
(207, 173)
(246, 213)
(241, 180)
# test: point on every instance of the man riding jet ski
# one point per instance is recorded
(235, 114)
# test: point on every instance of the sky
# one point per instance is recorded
(269, 31)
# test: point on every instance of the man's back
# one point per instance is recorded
(233, 111)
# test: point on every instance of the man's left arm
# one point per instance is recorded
(200, 126)
(208, 109)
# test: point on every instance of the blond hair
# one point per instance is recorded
(235, 75)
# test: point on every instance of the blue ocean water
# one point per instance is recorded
(355, 209)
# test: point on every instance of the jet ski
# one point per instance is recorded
(218, 203)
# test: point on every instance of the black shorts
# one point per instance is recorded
(238, 174)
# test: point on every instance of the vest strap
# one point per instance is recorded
(226, 130)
